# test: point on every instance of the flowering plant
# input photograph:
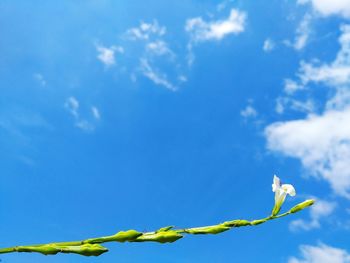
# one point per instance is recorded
(92, 247)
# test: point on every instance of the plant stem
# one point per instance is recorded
(163, 235)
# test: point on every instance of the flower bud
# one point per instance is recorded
(237, 223)
(52, 249)
(85, 250)
(168, 236)
(207, 229)
(44, 249)
(129, 235)
(302, 206)
(258, 222)
(121, 236)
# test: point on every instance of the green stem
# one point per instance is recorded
(163, 235)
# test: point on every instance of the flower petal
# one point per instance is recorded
(276, 183)
(289, 189)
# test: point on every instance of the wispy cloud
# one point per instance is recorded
(19, 123)
(303, 32)
(159, 48)
(150, 50)
(201, 30)
(222, 6)
(150, 54)
(95, 112)
(320, 141)
(268, 45)
(333, 74)
(328, 8)
(40, 79)
(322, 145)
(146, 30)
(321, 254)
(249, 112)
(107, 54)
(291, 86)
(286, 102)
(321, 209)
(72, 105)
(157, 77)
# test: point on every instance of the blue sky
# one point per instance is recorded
(125, 114)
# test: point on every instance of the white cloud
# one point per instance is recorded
(95, 113)
(146, 30)
(157, 77)
(107, 55)
(152, 56)
(327, 8)
(282, 103)
(221, 6)
(321, 142)
(333, 74)
(291, 86)
(307, 106)
(85, 125)
(159, 48)
(72, 105)
(249, 112)
(269, 45)
(319, 210)
(182, 78)
(201, 30)
(321, 254)
(341, 99)
(303, 32)
(330, 74)
(190, 55)
(40, 78)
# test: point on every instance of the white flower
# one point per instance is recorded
(281, 192)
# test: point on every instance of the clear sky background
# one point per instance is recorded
(142, 114)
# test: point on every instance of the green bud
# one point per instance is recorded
(258, 222)
(237, 223)
(302, 206)
(85, 250)
(207, 229)
(129, 235)
(44, 249)
(52, 249)
(168, 236)
(121, 236)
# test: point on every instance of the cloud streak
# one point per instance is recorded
(72, 105)
(201, 30)
(321, 254)
(157, 77)
(328, 8)
(146, 30)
